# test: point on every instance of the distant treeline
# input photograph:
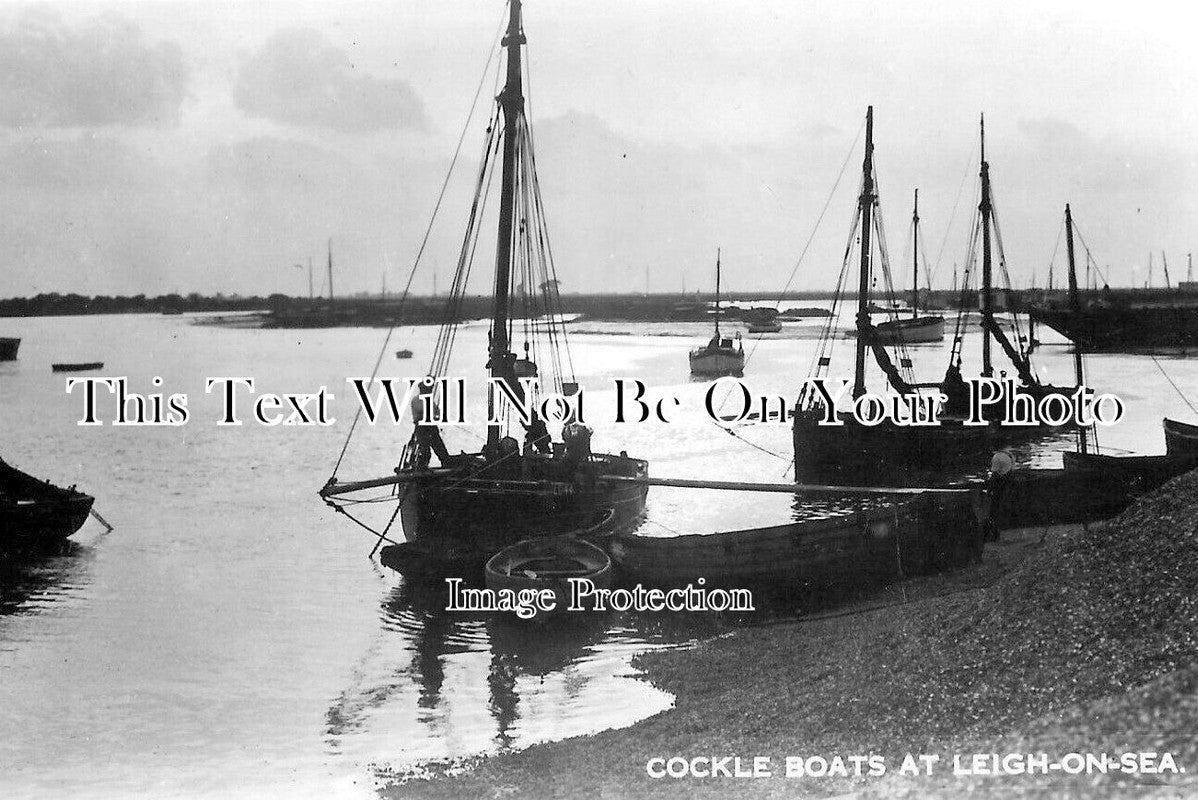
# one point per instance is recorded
(55, 304)
(374, 310)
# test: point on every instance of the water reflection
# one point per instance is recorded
(449, 684)
(33, 581)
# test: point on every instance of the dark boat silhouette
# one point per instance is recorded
(37, 514)
(79, 366)
(8, 348)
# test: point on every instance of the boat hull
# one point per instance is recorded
(453, 526)
(1181, 438)
(35, 514)
(908, 538)
(887, 453)
(916, 330)
(8, 348)
(1124, 328)
(721, 362)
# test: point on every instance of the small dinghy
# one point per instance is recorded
(403, 353)
(549, 564)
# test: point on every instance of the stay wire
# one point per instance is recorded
(424, 241)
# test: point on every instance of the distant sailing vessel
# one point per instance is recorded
(457, 515)
(915, 329)
(722, 355)
(8, 348)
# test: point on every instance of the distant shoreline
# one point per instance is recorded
(376, 310)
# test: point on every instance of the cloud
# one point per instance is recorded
(103, 73)
(299, 78)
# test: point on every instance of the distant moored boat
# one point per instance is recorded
(82, 366)
(8, 348)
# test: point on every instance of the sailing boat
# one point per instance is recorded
(458, 514)
(992, 332)
(720, 356)
(853, 450)
(914, 329)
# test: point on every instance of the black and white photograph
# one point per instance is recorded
(626, 399)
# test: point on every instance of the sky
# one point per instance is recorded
(174, 146)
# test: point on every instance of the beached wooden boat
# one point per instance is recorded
(1089, 487)
(1181, 438)
(905, 538)
(549, 564)
(8, 348)
(36, 513)
(80, 366)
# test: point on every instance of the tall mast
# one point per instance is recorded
(987, 307)
(866, 204)
(330, 270)
(1075, 307)
(511, 101)
(311, 293)
(915, 258)
(717, 294)
(1165, 264)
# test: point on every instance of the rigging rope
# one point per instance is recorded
(424, 241)
(1176, 388)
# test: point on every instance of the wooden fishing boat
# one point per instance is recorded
(80, 366)
(721, 355)
(8, 348)
(1181, 438)
(457, 515)
(35, 513)
(549, 563)
(907, 538)
(856, 452)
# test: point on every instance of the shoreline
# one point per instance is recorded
(1081, 641)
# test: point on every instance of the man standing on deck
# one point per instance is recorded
(427, 435)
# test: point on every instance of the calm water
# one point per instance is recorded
(231, 637)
